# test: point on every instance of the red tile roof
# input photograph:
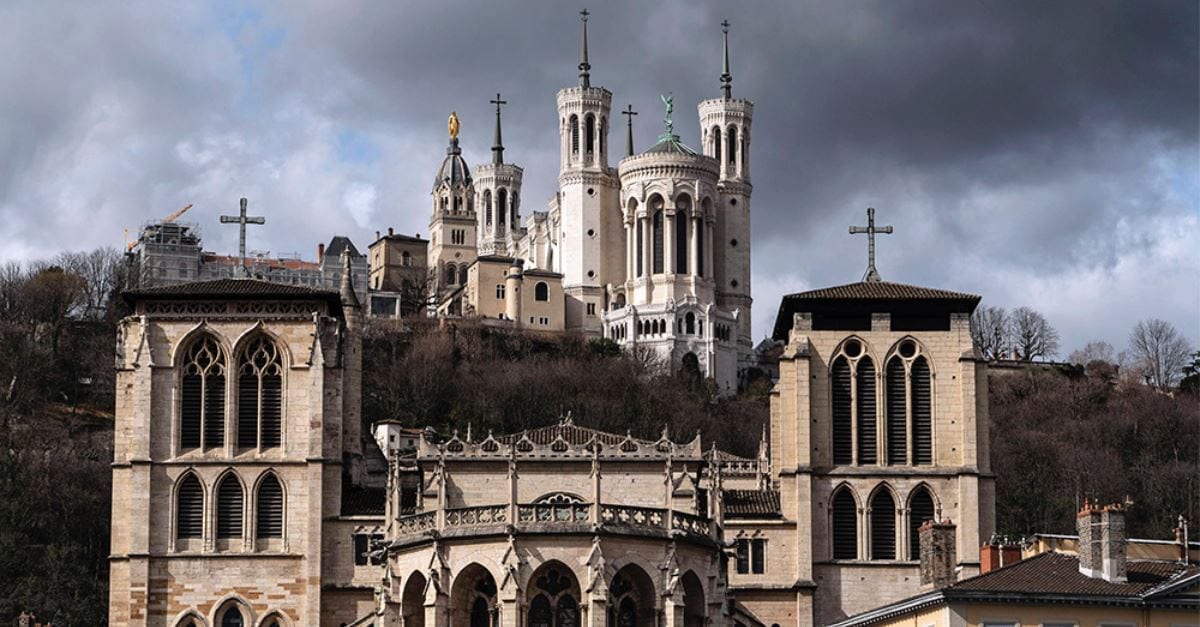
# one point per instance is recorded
(881, 290)
(751, 503)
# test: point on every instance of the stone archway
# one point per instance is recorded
(694, 609)
(473, 598)
(632, 598)
(412, 601)
(553, 595)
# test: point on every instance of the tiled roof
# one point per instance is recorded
(231, 288)
(751, 503)
(1058, 574)
(881, 290)
(338, 244)
(358, 501)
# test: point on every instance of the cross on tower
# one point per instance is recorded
(629, 113)
(242, 220)
(872, 275)
(497, 144)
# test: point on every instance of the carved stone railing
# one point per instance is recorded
(553, 513)
(476, 516)
(646, 517)
(416, 524)
(690, 523)
(739, 467)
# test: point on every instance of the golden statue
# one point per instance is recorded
(452, 124)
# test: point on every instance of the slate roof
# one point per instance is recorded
(338, 244)
(222, 288)
(751, 503)
(669, 144)
(867, 297)
(453, 170)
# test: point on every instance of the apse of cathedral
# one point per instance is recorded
(244, 493)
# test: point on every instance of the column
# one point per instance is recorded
(630, 261)
(693, 248)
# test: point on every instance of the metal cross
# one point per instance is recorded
(629, 113)
(242, 220)
(497, 142)
(872, 275)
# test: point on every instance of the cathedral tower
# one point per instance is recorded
(588, 202)
(498, 196)
(452, 235)
(725, 133)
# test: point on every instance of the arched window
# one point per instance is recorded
(487, 206)
(883, 526)
(657, 241)
(233, 617)
(733, 144)
(842, 439)
(202, 396)
(700, 234)
(406, 259)
(590, 139)
(269, 512)
(689, 322)
(683, 206)
(541, 291)
(603, 135)
(922, 412)
(501, 206)
(450, 274)
(189, 508)
(640, 248)
(716, 135)
(513, 210)
(897, 413)
(229, 507)
(845, 526)
(865, 398)
(540, 613)
(260, 394)
(574, 135)
(920, 510)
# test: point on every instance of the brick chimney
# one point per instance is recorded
(1112, 540)
(938, 554)
(320, 251)
(998, 554)
(1087, 524)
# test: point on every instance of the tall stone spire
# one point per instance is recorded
(497, 143)
(347, 293)
(585, 79)
(629, 113)
(726, 77)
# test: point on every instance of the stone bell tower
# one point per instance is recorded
(592, 231)
(725, 133)
(452, 235)
(498, 199)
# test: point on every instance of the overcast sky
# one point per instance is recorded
(1037, 153)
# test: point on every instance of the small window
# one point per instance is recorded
(363, 547)
(500, 292)
(751, 556)
(189, 509)
(591, 309)
(541, 291)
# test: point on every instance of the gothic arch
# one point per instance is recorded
(200, 329)
(894, 351)
(412, 600)
(260, 327)
(222, 508)
(553, 596)
(487, 206)
(258, 506)
(865, 349)
(843, 508)
(231, 602)
(632, 594)
(180, 482)
(924, 485)
(882, 514)
(182, 619)
(695, 607)
(715, 133)
(267, 381)
(277, 616)
(473, 597)
(922, 505)
(207, 354)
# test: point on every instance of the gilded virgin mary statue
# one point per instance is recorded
(452, 125)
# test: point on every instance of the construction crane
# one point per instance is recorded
(175, 216)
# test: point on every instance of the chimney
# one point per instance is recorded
(1181, 538)
(1112, 540)
(320, 252)
(938, 554)
(1087, 522)
(390, 232)
(989, 557)
(1009, 554)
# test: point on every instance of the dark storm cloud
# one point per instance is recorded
(1037, 153)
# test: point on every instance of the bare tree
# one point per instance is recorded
(1098, 350)
(990, 330)
(1160, 351)
(101, 270)
(1032, 336)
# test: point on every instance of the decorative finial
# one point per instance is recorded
(669, 102)
(585, 79)
(726, 77)
(452, 125)
(497, 144)
(629, 113)
(872, 275)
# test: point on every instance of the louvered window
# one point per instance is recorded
(229, 508)
(920, 510)
(845, 526)
(883, 526)
(640, 248)
(202, 396)
(733, 144)
(656, 242)
(897, 413)
(700, 234)
(487, 206)
(681, 244)
(260, 395)
(922, 413)
(865, 396)
(716, 134)
(270, 508)
(189, 508)
(501, 206)
(574, 135)
(842, 442)
(590, 141)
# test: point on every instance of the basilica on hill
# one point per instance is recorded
(248, 493)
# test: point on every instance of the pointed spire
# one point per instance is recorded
(726, 77)
(629, 113)
(585, 79)
(497, 142)
(349, 297)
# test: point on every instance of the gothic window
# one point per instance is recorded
(574, 135)
(627, 613)
(865, 398)
(683, 206)
(640, 250)
(260, 394)
(457, 203)
(657, 242)
(229, 507)
(883, 526)
(845, 525)
(450, 274)
(897, 413)
(269, 513)
(487, 206)
(590, 138)
(603, 135)
(541, 291)
(909, 406)
(922, 413)
(733, 144)
(540, 614)
(716, 135)
(189, 508)
(920, 510)
(700, 234)
(842, 442)
(689, 322)
(233, 618)
(202, 406)
(501, 205)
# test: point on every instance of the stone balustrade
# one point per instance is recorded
(550, 517)
(476, 516)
